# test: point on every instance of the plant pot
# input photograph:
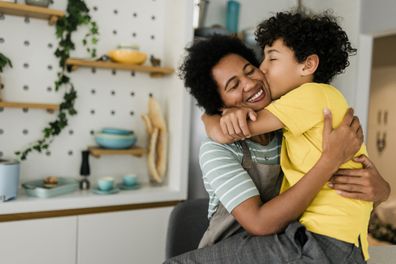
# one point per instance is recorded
(42, 3)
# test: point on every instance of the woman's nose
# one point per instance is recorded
(248, 83)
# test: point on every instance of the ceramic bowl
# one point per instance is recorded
(42, 3)
(115, 141)
(105, 183)
(128, 56)
(116, 131)
(129, 180)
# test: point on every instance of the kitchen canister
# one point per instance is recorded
(9, 179)
(232, 17)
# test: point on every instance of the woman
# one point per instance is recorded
(242, 179)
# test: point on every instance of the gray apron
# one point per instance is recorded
(267, 179)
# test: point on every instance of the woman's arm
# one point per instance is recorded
(339, 145)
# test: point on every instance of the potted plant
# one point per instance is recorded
(4, 61)
(77, 14)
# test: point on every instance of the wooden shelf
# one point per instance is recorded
(49, 107)
(154, 71)
(51, 15)
(135, 151)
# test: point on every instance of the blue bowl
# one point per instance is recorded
(116, 131)
(115, 141)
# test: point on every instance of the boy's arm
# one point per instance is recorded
(234, 124)
(273, 216)
(236, 121)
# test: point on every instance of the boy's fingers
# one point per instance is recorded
(236, 127)
(223, 126)
(252, 115)
(244, 127)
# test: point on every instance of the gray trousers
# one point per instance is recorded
(295, 245)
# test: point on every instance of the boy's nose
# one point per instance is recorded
(263, 67)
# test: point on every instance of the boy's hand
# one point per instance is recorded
(234, 122)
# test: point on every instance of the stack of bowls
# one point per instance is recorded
(115, 138)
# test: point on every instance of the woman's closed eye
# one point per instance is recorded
(232, 85)
(249, 70)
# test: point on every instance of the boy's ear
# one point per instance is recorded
(311, 63)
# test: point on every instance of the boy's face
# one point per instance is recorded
(240, 84)
(281, 69)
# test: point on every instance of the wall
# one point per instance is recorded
(252, 12)
(106, 98)
(382, 109)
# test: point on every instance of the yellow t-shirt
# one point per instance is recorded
(301, 112)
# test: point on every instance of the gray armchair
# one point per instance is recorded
(187, 223)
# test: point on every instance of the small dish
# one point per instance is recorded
(112, 191)
(126, 187)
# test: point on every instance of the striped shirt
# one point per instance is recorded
(224, 178)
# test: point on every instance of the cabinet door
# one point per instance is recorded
(43, 241)
(136, 236)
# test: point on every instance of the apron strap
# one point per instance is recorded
(247, 162)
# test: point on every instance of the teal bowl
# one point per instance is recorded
(116, 131)
(115, 141)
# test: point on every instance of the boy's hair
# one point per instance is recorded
(309, 34)
(196, 69)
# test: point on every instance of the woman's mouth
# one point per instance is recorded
(257, 96)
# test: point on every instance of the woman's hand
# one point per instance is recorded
(234, 122)
(342, 143)
(364, 184)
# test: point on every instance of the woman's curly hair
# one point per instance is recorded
(309, 34)
(196, 69)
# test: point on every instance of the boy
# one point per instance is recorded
(301, 55)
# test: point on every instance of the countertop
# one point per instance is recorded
(87, 199)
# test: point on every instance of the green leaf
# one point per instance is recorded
(77, 14)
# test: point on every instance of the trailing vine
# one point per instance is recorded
(4, 61)
(77, 14)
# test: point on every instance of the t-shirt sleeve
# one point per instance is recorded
(300, 109)
(224, 175)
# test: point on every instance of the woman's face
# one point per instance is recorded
(240, 84)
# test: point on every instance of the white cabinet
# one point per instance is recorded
(43, 241)
(123, 237)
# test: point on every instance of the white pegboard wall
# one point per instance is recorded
(106, 98)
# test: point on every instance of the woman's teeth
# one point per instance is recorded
(254, 97)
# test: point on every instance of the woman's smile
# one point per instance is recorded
(260, 94)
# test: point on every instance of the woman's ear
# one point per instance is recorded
(311, 63)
